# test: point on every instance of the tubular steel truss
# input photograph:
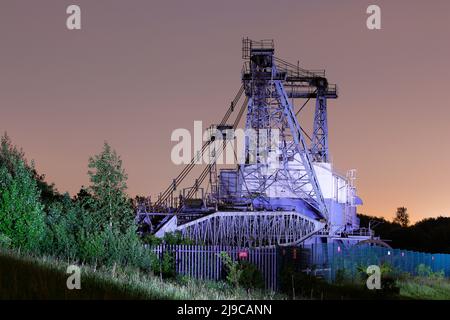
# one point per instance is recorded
(269, 108)
(251, 229)
(319, 143)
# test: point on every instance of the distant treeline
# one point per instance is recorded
(428, 235)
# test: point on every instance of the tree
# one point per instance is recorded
(402, 217)
(110, 203)
(10, 154)
(21, 213)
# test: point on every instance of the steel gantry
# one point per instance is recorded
(255, 229)
(269, 203)
(264, 77)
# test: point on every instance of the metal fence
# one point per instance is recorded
(323, 260)
(328, 260)
(205, 262)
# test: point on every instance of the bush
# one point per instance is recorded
(127, 249)
(242, 273)
(423, 270)
(389, 286)
(64, 221)
(342, 276)
(250, 277)
(232, 269)
(109, 247)
(92, 248)
(151, 240)
(171, 238)
(300, 284)
(176, 237)
(426, 271)
(164, 267)
(5, 242)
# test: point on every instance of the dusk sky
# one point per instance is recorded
(137, 70)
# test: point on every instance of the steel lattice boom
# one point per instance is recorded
(296, 198)
(253, 229)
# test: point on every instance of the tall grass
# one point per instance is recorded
(23, 276)
(425, 288)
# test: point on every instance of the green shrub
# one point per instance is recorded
(129, 250)
(341, 276)
(164, 267)
(300, 284)
(242, 273)
(424, 270)
(92, 248)
(232, 268)
(151, 240)
(389, 286)
(175, 238)
(250, 277)
(170, 238)
(5, 242)
(63, 224)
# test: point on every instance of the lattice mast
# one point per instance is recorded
(319, 143)
(264, 77)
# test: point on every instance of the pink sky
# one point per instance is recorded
(140, 69)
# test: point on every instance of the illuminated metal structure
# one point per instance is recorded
(285, 191)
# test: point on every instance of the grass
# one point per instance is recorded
(412, 288)
(424, 288)
(304, 286)
(395, 286)
(23, 276)
(31, 277)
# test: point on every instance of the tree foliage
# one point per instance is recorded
(96, 226)
(428, 235)
(112, 207)
(10, 154)
(21, 212)
(402, 217)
